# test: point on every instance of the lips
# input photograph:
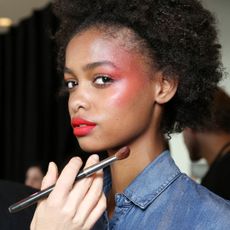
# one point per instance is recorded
(82, 127)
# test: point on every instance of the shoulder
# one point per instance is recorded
(217, 178)
(202, 201)
(183, 204)
(189, 205)
(223, 165)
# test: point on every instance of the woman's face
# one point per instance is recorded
(34, 177)
(111, 93)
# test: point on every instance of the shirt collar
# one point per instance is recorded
(151, 182)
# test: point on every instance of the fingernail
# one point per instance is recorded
(95, 157)
(77, 159)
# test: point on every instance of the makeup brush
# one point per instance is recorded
(34, 198)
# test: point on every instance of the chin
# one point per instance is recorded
(91, 148)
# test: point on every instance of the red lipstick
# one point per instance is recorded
(82, 127)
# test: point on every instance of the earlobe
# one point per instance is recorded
(166, 88)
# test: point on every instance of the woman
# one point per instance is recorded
(34, 175)
(135, 70)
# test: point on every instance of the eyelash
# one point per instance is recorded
(105, 80)
(72, 82)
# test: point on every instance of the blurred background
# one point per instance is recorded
(33, 117)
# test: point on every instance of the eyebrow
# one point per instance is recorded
(91, 66)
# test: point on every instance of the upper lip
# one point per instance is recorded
(76, 122)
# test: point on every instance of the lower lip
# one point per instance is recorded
(82, 131)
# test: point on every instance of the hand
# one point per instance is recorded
(71, 205)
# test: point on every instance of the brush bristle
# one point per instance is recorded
(122, 153)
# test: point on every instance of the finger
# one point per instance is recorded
(96, 213)
(93, 159)
(49, 179)
(65, 181)
(51, 176)
(80, 188)
(35, 216)
(91, 198)
(33, 222)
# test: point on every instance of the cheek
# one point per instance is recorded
(71, 104)
(69, 107)
(126, 93)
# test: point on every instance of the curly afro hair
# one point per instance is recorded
(180, 35)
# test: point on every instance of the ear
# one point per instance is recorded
(165, 87)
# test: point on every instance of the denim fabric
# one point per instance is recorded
(161, 197)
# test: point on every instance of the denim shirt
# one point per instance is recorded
(161, 197)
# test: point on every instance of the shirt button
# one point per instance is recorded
(118, 197)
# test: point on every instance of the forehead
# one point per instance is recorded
(99, 44)
(34, 169)
(96, 36)
(125, 36)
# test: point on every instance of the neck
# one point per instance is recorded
(124, 172)
(212, 144)
(143, 150)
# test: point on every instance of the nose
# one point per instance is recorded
(78, 100)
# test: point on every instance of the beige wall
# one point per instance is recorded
(19, 9)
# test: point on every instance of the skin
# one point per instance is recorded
(192, 144)
(206, 144)
(34, 177)
(124, 113)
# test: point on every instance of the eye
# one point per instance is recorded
(70, 84)
(103, 80)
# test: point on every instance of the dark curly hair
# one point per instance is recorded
(180, 36)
